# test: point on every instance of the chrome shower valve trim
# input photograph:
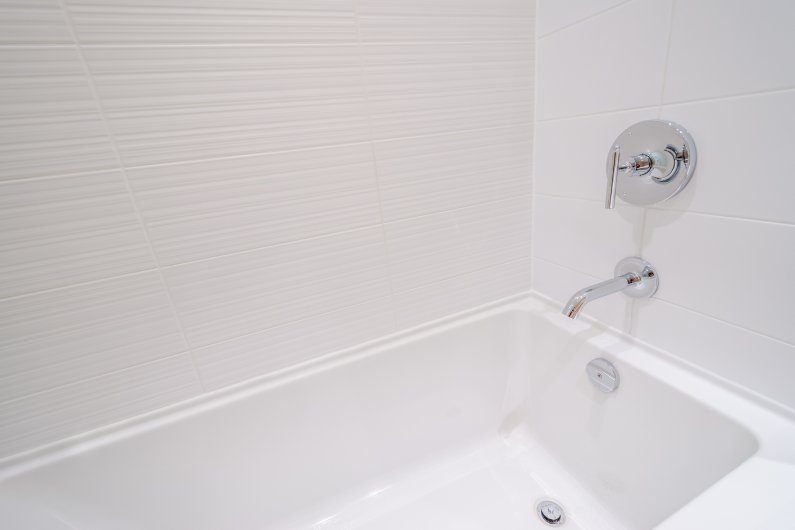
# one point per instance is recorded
(661, 162)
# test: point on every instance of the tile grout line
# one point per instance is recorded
(368, 107)
(95, 377)
(635, 304)
(667, 58)
(268, 44)
(240, 252)
(466, 273)
(293, 321)
(78, 284)
(362, 303)
(679, 211)
(133, 202)
(728, 323)
(677, 103)
(567, 267)
(133, 167)
(533, 152)
(580, 21)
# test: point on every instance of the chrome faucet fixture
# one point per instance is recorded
(634, 276)
(661, 160)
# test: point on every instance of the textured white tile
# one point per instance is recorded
(33, 22)
(554, 14)
(461, 292)
(750, 359)
(560, 283)
(212, 21)
(69, 410)
(723, 47)
(203, 209)
(589, 67)
(292, 343)
(224, 113)
(43, 81)
(445, 20)
(65, 230)
(225, 297)
(725, 268)
(424, 175)
(62, 336)
(727, 184)
(434, 247)
(417, 89)
(570, 154)
(51, 123)
(169, 104)
(583, 235)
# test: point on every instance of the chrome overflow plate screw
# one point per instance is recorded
(603, 374)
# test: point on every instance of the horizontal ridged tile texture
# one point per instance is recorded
(168, 104)
(213, 21)
(723, 71)
(203, 209)
(221, 298)
(462, 292)
(65, 230)
(33, 22)
(292, 343)
(196, 193)
(72, 409)
(51, 121)
(57, 337)
(446, 20)
(430, 174)
(432, 248)
(419, 89)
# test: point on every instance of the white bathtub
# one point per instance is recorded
(463, 424)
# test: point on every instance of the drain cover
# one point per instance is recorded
(550, 512)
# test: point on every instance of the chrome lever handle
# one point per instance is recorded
(610, 197)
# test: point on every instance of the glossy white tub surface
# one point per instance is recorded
(465, 424)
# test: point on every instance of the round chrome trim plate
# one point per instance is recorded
(649, 280)
(550, 512)
(674, 154)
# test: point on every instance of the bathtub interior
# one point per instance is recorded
(643, 451)
(256, 460)
(467, 424)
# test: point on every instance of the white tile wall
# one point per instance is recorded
(179, 103)
(207, 208)
(412, 21)
(33, 22)
(431, 174)
(51, 121)
(431, 88)
(74, 408)
(213, 21)
(553, 16)
(66, 230)
(196, 193)
(238, 294)
(590, 67)
(725, 246)
(65, 335)
(748, 49)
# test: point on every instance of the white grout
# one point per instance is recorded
(119, 160)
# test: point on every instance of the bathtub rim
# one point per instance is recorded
(639, 354)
